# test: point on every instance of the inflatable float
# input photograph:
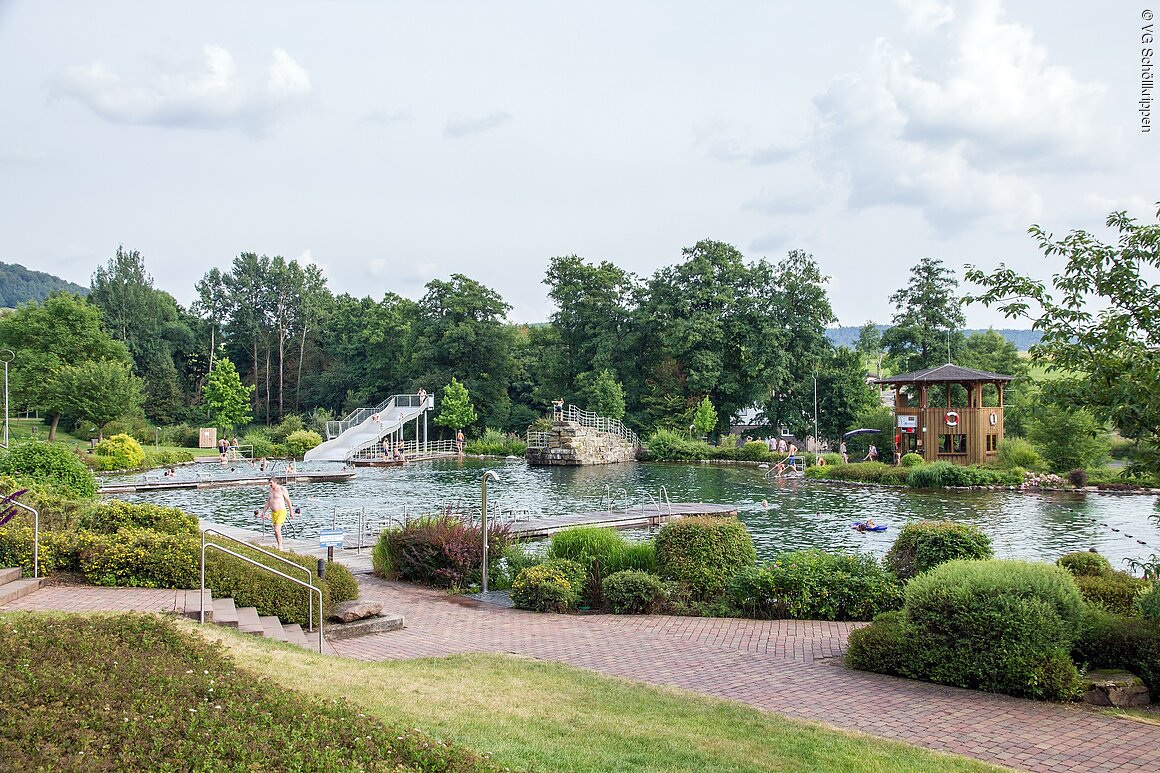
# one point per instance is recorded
(860, 526)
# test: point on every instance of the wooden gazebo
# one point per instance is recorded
(961, 434)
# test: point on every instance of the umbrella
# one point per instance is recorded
(859, 432)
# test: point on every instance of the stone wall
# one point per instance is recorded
(571, 444)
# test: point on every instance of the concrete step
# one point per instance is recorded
(225, 613)
(272, 628)
(377, 624)
(192, 604)
(248, 620)
(295, 635)
(15, 589)
(9, 575)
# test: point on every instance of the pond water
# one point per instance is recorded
(797, 514)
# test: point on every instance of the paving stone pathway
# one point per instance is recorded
(787, 666)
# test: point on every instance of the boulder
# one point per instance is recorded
(1111, 687)
(349, 611)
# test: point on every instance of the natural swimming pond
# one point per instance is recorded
(800, 513)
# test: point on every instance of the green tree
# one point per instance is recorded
(99, 391)
(843, 394)
(47, 338)
(227, 399)
(1068, 438)
(869, 345)
(1099, 323)
(455, 409)
(704, 416)
(988, 350)
(600, 392)
(927, 319)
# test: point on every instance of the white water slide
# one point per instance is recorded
(366, 427)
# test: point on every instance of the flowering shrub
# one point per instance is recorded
(111, 515)
(814, 585)
(553, 586)
(1041, 480)
(119, 452)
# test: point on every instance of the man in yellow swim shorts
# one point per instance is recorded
(279, 506)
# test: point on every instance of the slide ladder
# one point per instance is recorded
(367, 427)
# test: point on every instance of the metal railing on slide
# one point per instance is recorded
(308, 584)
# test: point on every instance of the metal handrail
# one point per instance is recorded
(601, 423)
(538, 439)
(35, 537)
(284, 576)
(411, 448)
(665, 491)
(283, 559)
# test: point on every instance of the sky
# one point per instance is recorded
(392, 143)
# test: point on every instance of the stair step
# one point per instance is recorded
(295, 635)
(192, 605)
(272, 628)
(248, 621)
(10, 591)
(9, 575)
(225, 613)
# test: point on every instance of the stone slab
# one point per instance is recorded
(381, 624)
(350, 611)
(1110, 687)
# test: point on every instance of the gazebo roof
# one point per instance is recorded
(944, 374)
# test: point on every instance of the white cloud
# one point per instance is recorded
(207, 95)
(458, 126)
(927, 14)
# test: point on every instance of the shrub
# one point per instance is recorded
(703, 553)
(600, 551)
(886, 647)
(110, 516)
(300, 441)
(668, 446)
(58, 510)
(261, 444)
(120, 452)
(180, 435)
(49, 463)
(814, 585)
(1114, 592)
(442, 551)
(923, 545)
(1085, 563)
(1107, 640)
(166, 457)
(495, 443)
(862, 472)
(290, 424)
(1078, 477)
(1017, 452)
(142, 558)
(16, 550)
(911, 460)
(945, 474)
(1148, 605)
(553, 586)
(1000, 626)
(632, 592)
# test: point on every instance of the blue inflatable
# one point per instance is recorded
(860, 526)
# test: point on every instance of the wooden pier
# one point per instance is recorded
(212, 483)
(636, 517)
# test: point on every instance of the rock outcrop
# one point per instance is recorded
(569, 443)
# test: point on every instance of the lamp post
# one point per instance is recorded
(7, 356)
(483, 518)
(817, 448)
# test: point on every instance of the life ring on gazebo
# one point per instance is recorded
(951, 418)
(375, 418)
(993, 419)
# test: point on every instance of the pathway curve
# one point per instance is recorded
(787, 666)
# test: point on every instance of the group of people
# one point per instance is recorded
(227, 449)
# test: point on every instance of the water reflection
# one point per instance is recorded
(799, 513)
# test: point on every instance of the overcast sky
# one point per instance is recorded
(393, 143)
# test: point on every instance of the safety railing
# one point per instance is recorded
(403, 452)
(359, 415)
(538, 439)
(308, 584)
(11, 500)
(600, 423)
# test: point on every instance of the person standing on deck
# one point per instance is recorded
(279, 506)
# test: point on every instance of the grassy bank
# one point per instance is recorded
(546, 716)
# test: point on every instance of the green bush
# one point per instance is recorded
(110, 516)
(142, 558)
(495, 443)
(1148, 605)
(667, 446)
(703, 553)
(553, 586)
(1085, 563)
(1114, 592)
(601, 552)
(632, 592)
(814, 585)
(441, 551)
(945, 474)
(381, 563)
(999, 626)
(923, 545)
(886, 647)
(862, 472)
(300, 441)
(50, 463)
(166, 457)
(261, 443)
(911, 460)
(1107, 640)
(290, 424)
(119, 452)
(1017, 452)
(58, 510)
(180, 435)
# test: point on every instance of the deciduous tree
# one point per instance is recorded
(227, 399)
(455, 409)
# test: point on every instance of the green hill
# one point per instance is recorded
(19, 284)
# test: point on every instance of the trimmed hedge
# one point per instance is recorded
(553, 586)
(112, 515)
(1107, 640)
(814, 585)
(1085, 563)
(52, 464)
(141, 558)
(704, 553)
(923, 545)
(1115, 592)
(633, 592)
(999, 626)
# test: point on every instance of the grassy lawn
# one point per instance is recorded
(23, 429)
(529, 714)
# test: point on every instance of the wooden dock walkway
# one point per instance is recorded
(211, 483)
(636, 517)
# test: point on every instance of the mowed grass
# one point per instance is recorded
(529, 714)
(23, 429)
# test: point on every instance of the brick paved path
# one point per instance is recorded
(782, 665)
